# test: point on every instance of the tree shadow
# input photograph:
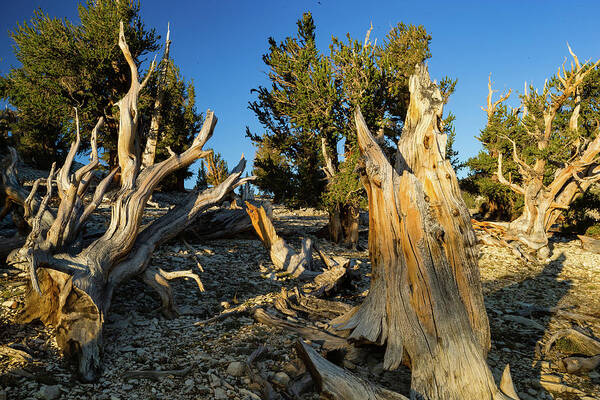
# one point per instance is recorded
(518, 322)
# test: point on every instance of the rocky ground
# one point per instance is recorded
(238, 271)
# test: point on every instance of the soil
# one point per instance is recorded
(238, 271)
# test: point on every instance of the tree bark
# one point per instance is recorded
(343, 225)
(425, 300)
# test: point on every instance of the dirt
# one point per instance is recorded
(238, 271)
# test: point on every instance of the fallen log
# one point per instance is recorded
(577, 342)
(337, 383)
(224, 223)
(327, 340)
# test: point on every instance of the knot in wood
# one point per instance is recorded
(455, 212)
(439, 234)
(426, 142)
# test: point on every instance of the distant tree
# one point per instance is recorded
(307, 114)
(216, 169)
(201, 179)
(179, 119)
(65, 65)
(554, 145)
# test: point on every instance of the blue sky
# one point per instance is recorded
(219, 44)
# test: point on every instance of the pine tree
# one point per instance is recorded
(65, 65)
(553, 142)
(307, 115)
(179, 118)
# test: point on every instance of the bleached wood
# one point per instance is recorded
(425, 299)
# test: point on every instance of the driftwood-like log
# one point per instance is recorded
(328, 340)
(425, 299)
(223, 223)
(337, 383)
(579, 365)
(283, 256)
(73, 288)
(15, 353)
(577, 340)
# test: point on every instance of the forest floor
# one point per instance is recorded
(136, 337)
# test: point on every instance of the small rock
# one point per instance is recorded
(377, 370)
(220, 394)
(349, 365)
(10, 304)
(127, 387)
(214, 380)
(525, 396)
(236, 368)
(281, 379)
(248, 395)
(189, 382)
(49, 392)
(532, 391)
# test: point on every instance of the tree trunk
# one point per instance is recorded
(425, 300)
(343, 225)
(530, 227)
(150, 149)
(349, 217)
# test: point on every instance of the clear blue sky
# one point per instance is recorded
(219, 44)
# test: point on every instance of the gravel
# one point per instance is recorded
(136, 337)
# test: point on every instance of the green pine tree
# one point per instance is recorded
(65, 65)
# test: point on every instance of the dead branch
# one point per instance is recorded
(155, 375)
(492, 105)
(152, 139)
(516, 188)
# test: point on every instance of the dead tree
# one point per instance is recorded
(544, 202)
(283, 256)
(72, 287)
(150, 148)
(425, 302)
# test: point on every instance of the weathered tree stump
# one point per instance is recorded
(425, 303)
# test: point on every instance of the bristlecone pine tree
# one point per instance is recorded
(89, 74)
(307, 114)
(554, 145)
(72, 287)
(425, 302)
